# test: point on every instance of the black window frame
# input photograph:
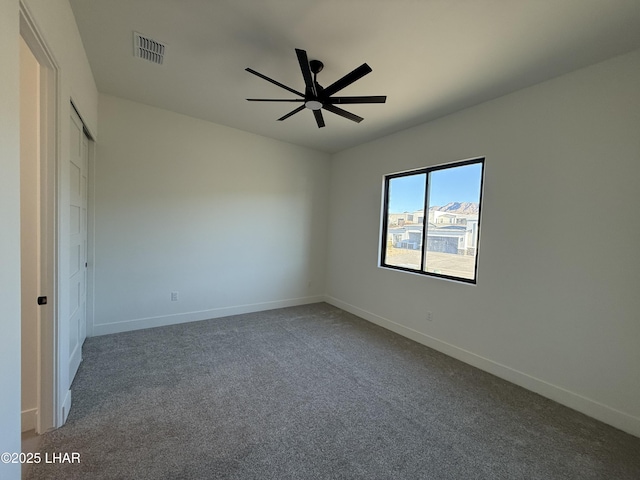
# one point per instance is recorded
(425, 219)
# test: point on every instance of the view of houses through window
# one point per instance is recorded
(438, 236)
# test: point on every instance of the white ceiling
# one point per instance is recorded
(430, 57)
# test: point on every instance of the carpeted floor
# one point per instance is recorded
(313, 392)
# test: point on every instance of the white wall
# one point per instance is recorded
(9, 237)
(556, 305)
(232, 221)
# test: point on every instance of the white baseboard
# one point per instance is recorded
(29, 419)
(164, 320)
(592, 408)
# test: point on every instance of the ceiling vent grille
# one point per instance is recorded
(148, 49)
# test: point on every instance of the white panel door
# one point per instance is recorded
(78, 166)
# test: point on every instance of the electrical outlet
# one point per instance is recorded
(429, 316)
(174, 296)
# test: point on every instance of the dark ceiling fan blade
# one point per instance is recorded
(348, 79)
(275, 99)
(319, 118)
(303, 60)
(348, 100)
(258, 74)
(342, 113)
(293, 112)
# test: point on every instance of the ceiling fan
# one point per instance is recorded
(315, 97)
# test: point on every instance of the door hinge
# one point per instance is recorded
(42, 300)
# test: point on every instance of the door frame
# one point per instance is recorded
(49, 414)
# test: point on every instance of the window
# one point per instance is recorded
(445, 201)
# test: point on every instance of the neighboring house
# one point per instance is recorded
(447, 233)
(406, 217)
(409, 237)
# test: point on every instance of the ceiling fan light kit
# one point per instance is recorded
(316, 98)
(313, 105)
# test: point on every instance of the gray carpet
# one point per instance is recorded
(313, 392)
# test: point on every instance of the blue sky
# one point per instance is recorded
(459, 184)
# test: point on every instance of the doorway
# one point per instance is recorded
(39, 365)
(29, 232)
(56, 188)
